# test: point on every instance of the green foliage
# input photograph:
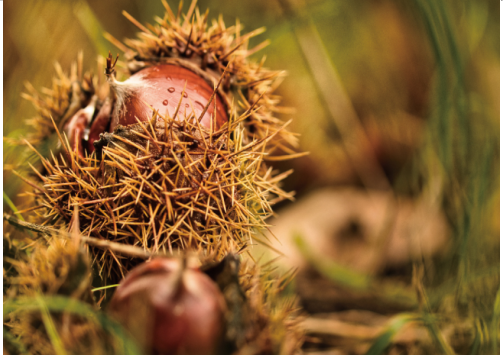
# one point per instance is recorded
(466, 147)
(458, 163)
(12, 206)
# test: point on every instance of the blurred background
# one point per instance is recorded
(395, 230)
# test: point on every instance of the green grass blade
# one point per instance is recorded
(477, 340)
(382, 343)
(92, 27)
(385, 290)
(434, 331)
(51, 329)
(495, 325)
(331, 270)
(14, 209)
(104, 287)
(12, 206)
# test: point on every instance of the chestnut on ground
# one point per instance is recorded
(171, 308)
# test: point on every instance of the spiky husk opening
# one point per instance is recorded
(208, 49)
(68, 94)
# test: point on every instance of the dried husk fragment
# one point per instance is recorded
(54, 269)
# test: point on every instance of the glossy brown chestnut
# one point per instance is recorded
(171, 309)
(160, 87)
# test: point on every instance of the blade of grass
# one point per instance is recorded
(495, 325)
(104, 287)
(431, 325)
(382, 343)
(50, 328)
(331, 270)
(12, 206)
(92, 27)
(14, 209)
(466, 159)
(477, 340)
(333, 95)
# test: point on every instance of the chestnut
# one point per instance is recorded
(170, 308)
(165, 87)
